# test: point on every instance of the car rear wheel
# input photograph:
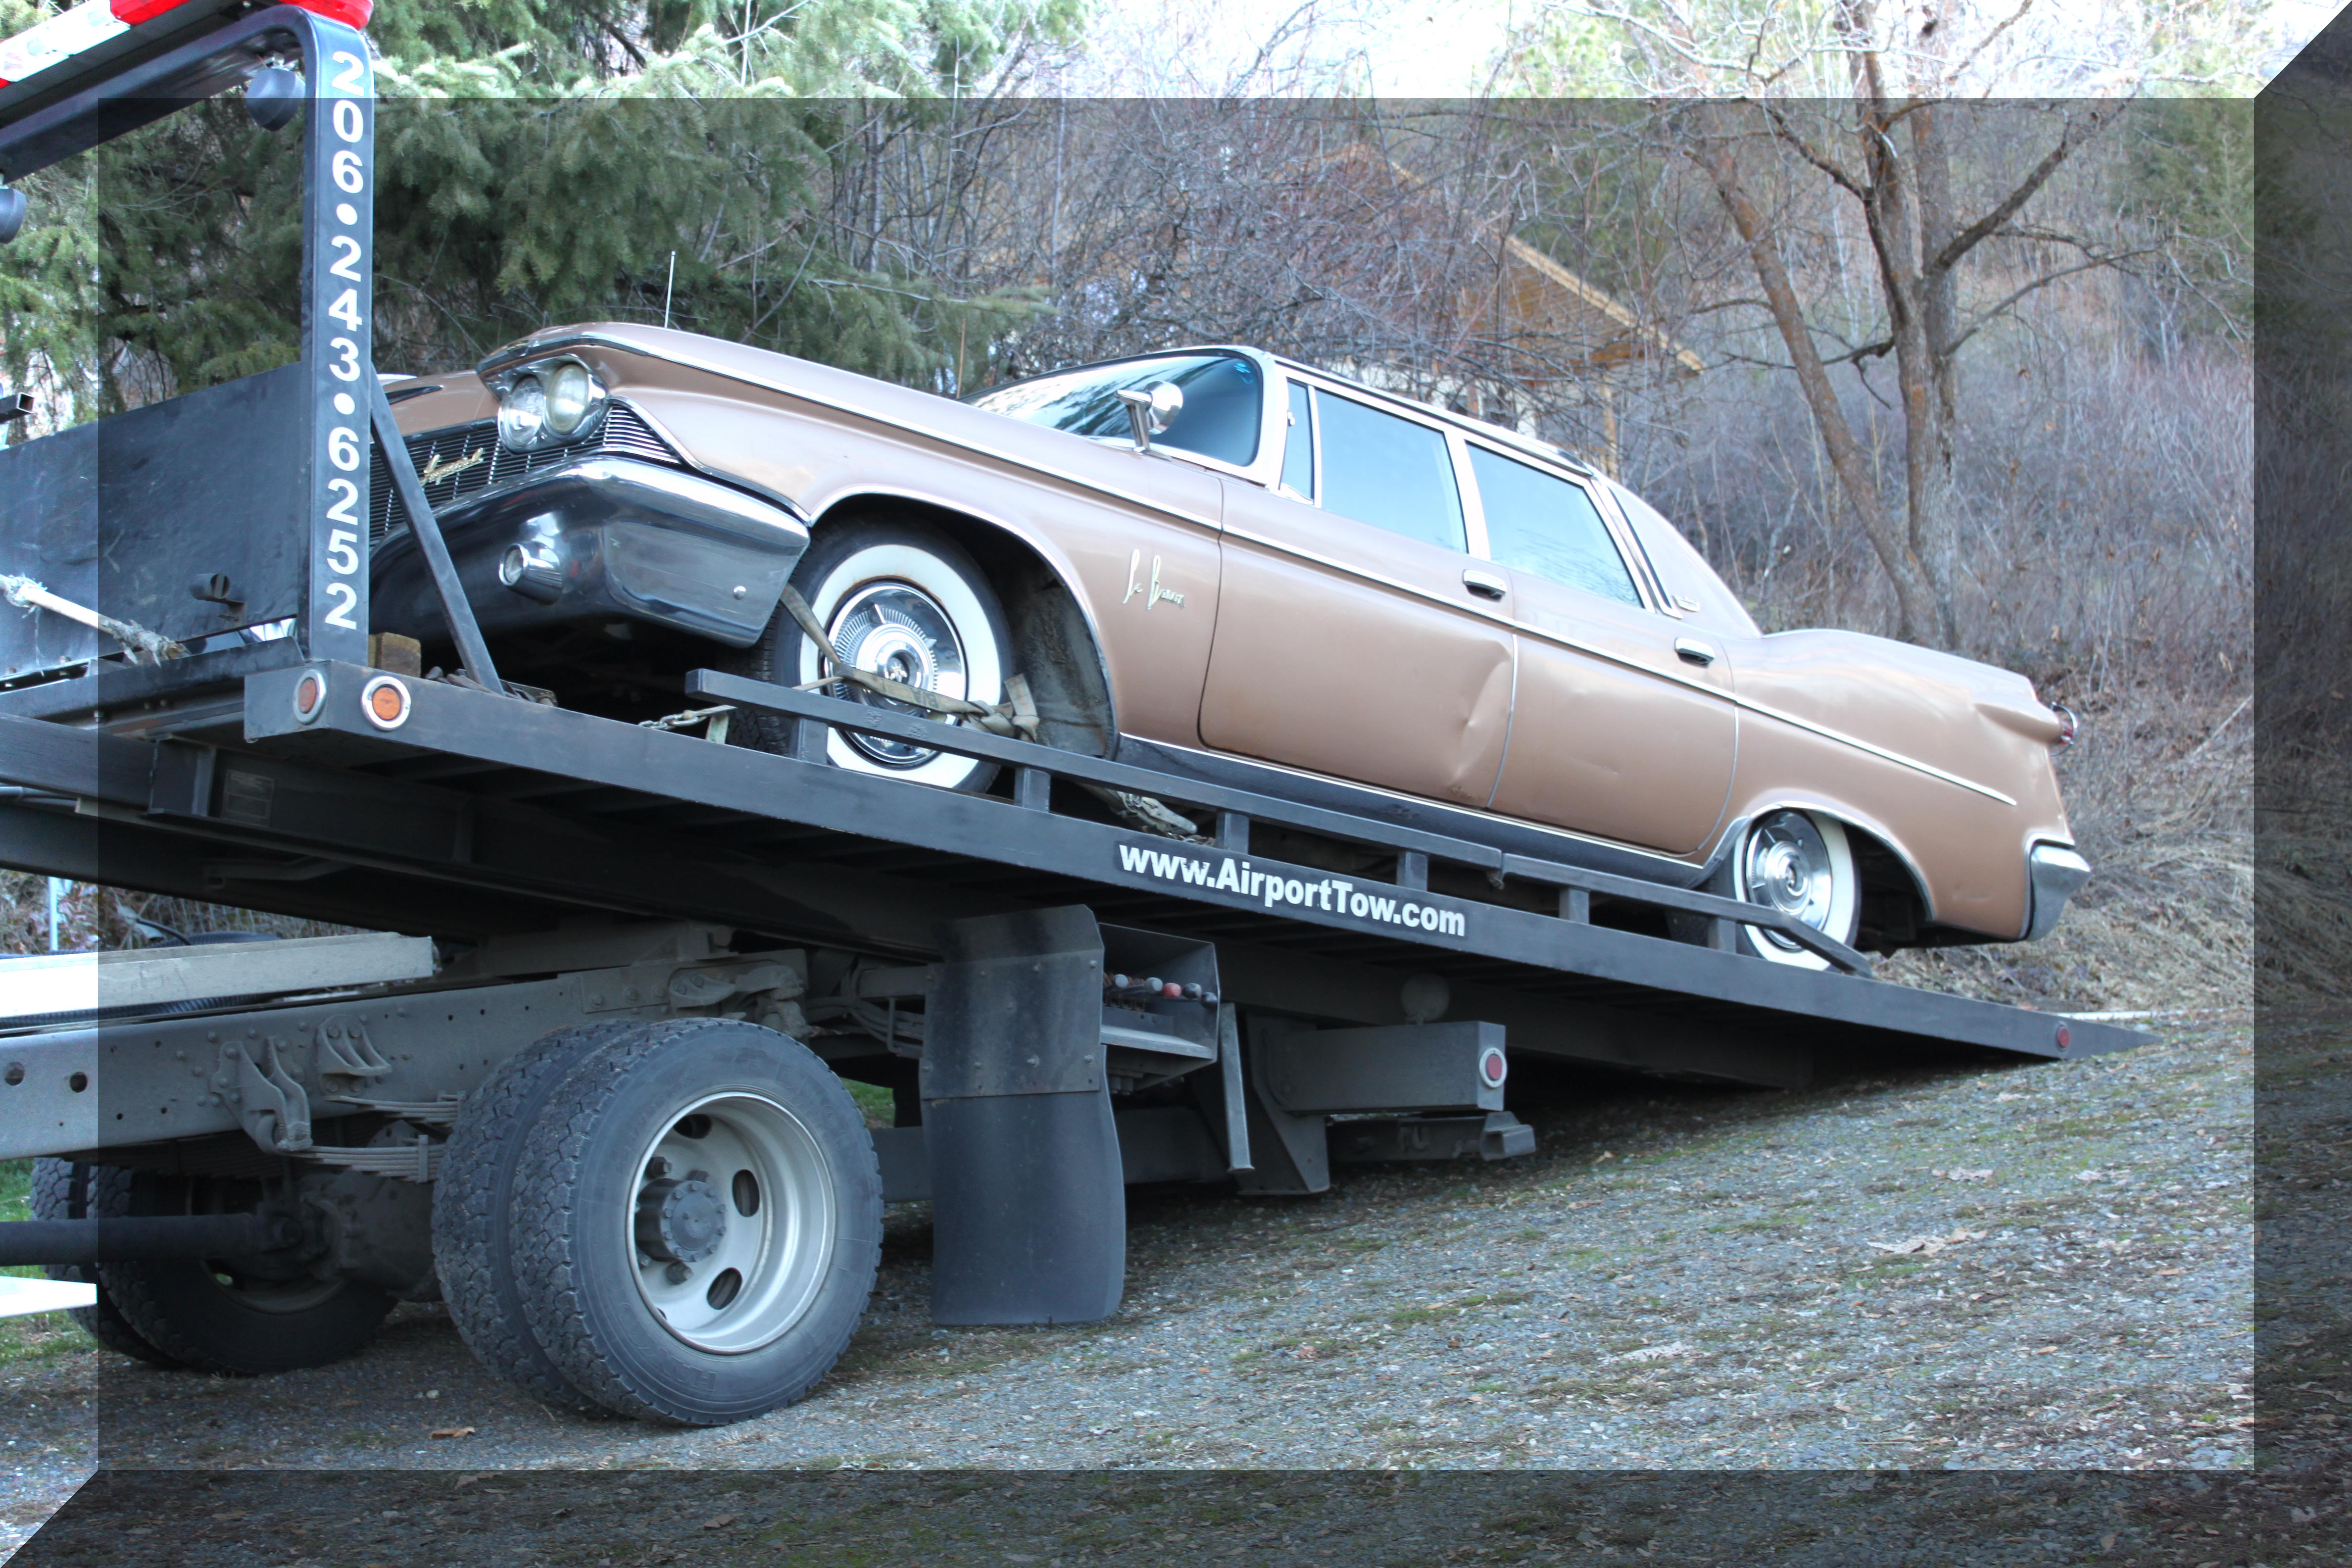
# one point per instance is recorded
(697, 1219)
(1800, 864)
(899, 600)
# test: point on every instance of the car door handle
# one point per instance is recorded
(1485, 584)
(1693, 651)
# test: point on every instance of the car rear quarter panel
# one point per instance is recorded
(1101, 517)
(1972, 720)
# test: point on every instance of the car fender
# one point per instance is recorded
(1719, 876)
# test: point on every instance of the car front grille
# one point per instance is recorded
(465, 459)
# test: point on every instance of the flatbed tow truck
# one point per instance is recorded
(594, 1100)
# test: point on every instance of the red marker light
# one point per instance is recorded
(131, 13)
(350, 12)
(1172, 991)
(1493, 1068)
(2066, 1036)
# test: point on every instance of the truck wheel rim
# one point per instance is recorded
(729, 1223)
(896, 630)
(1787, 867)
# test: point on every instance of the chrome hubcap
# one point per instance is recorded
(900, 633)
(731, 1223)
(1787, 868)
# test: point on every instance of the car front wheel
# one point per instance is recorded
(1799, 864)
(899, 600)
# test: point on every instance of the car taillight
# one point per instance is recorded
(2067, 723)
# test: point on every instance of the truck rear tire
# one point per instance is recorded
(472, 1241)
(61, 1190)
(202, 1314)
(697, 1220)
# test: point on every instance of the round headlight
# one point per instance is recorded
(523, 413)
(571, 399)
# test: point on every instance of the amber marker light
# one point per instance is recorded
(385, 702)
(309, 696)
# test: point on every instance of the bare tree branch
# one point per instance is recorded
(1969, 238)
(1986, 316)
(1805, 150)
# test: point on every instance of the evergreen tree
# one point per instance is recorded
(538, 163)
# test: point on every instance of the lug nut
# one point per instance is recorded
(678, 1273)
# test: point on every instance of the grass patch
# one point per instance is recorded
(1437, 1311)
(44, 1336)
(879, 1104)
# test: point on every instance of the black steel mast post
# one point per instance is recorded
(338, 309)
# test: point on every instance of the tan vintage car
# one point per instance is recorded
(1229, 566)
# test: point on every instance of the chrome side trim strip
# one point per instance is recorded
(1626, 859)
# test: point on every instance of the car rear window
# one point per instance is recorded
(1538, 522)
(1390, 472)
(1220, 418)
(1682, 571)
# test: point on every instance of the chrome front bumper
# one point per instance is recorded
(2058, 873)
(605, 538)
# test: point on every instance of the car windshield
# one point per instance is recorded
(1220, 418)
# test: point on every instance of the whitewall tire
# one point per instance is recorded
(900, 600)
(1801, 864)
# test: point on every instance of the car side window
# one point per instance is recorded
(1390, 472)
(1298, 452)
(1540, 523)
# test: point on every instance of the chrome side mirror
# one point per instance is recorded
(1152, 409)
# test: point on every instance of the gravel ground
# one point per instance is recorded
(2303, 1325)
(1945, 1266)
(1346, 1520)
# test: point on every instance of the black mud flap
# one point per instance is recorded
(1028, 1203)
